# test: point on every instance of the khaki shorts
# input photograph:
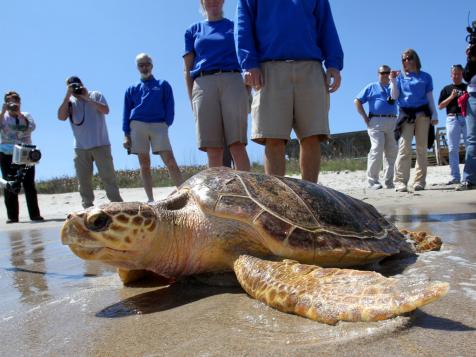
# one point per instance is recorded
(294, 96)
(147, 135)
(220, 104)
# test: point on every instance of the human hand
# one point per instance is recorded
(333, 79)
(394, 74)
(127, 142)
(254, 78)
(4, 108)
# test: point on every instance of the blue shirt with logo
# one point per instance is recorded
(376, 94)
(413, 88)
(213, 45)
(268, 30)
(149, 101)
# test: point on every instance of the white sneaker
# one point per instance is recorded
(375, 186)
(401, 188)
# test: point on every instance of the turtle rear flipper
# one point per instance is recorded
(330, 295)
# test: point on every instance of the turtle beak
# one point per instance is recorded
(74, 232)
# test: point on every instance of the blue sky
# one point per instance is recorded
(46, 41)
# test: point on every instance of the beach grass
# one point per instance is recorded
(160, 176)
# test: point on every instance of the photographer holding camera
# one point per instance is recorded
(455, 122)
(469, 75)
(16, 128)
(86, 112)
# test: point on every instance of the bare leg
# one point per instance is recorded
(174, 171)
(144, 162)
(240, 156)
(215, 157)
(310, 158)
(274, 162)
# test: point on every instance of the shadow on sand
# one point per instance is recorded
(163, 299)
(424, 320)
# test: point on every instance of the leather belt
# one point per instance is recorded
(371, 115)
(215, 71)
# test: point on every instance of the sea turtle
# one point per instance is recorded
(221, 220)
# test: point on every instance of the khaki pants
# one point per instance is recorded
(83, 162)
(404, 159)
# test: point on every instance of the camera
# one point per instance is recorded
(459, 92)
(25, 154)
(471, 39)
(77, 88)
(390, 100)
(14, 107)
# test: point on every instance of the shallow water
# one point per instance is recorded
(53, 303)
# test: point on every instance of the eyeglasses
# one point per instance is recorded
(385, 72)
(143, 65)
(407, 59)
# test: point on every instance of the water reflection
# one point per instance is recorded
(27, 256)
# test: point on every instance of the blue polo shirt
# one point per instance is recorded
(286, 30)
(149, 101)
(413, 88)
(213, 44)
(376, 95)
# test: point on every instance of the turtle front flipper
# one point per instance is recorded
(330, 295)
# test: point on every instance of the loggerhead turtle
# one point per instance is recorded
(221, 220)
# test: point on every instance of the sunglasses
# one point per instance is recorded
(386, 72)
(407, 59)
(143, 65)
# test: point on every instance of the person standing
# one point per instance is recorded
(16, 128)
(215, 87)
(380, 123)
(469, 74)
(455, 121)
(281, 46)
(148, 113)
(86, 111)
(413, 90)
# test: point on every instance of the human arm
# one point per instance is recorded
(394, 90)
(169, 104)
(444, 100)
(361, 111)
(188, 60)
(97, 100)
(63, 110)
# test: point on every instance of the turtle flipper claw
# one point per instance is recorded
(330, 295)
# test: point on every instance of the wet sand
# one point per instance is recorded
(55, 304)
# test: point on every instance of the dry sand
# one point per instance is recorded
(55, 207)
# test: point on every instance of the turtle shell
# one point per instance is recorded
(296, 218)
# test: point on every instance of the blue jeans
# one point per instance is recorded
(455, 128)
(469, 172)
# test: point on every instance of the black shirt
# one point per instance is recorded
(452, 107)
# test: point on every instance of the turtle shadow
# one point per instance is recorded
(163, 299)
(427, 321)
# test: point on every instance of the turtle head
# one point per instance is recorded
(119, 233)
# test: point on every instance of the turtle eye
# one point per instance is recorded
(98, 221)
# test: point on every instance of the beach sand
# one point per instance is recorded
(55, 207)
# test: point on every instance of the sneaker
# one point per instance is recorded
(453, 182)
(38, 218)
(15, 220)
(464, 186)
(401, 188)
(418, 187)
(375, 186)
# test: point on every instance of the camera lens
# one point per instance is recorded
(13, 107)
(34, 155)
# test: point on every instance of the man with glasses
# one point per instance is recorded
(455, 121)
(148, 113)
(87, 111)
(380, 123)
